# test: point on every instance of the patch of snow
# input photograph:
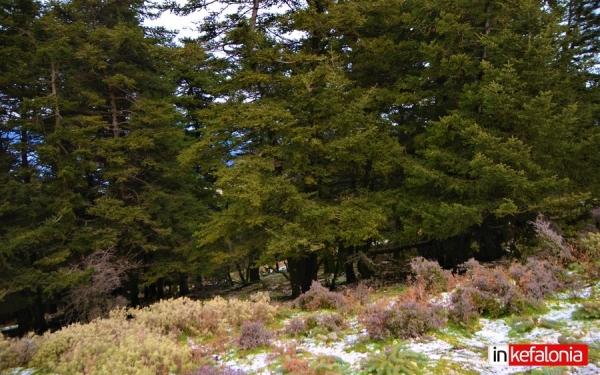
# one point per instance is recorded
(21, 371)
(435, 349)
(493, 331)
(443, 300)
(254, 363)
(542, 336)
(337, 349)
(580, 293)
(468, 353)
(8, 328)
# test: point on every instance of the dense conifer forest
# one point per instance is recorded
(319, 134)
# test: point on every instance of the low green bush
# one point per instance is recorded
(396, 360)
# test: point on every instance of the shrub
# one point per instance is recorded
(413, 318)
(8, 359)
(111, 346)
(296, 327)
(331, 322)
(463, 310)
(588, 310)
(491, 290)
(357, 297)
(374, 319)
(537, 278)
(397, 360)
(214, 317)
(552, 241)
(405, 319)
(521, 325)
(590, 246)
(254, 335)
(326, 365)
(319, 297)
(311, 321)
(294, 365)
(18, 352)
(429, 275)
(93, 299)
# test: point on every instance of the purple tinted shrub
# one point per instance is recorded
(429, 275)
(359, 296)
(536, 278)
(491, 290)
(254, 335)
(463, 310)
(332, 323)
(319, 297)
(206, 370)
(551, 239)
(374, 319)
(404, 319)
(413, 318)
(296, 327)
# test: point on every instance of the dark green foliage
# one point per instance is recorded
(396, 360)
(329, 365)
(386, 122)
(520, 325)
(96, 169)
(587, 310)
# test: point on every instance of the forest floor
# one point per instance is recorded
(331, 333)
(451, 350)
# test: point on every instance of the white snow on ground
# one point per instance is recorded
(469, 352)
(334, 349)
(255, 363)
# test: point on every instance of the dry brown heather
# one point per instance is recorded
(145, 344)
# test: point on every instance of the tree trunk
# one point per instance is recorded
(25, 157)
(31, 317)
(160, 289)
(329, 264)
(241, 274)
(184, 288)
(25, 321)
(253, 275)
(302, 273)
(39, 319)
(449, 252)
(335, 274)
(254, 16)
(134, 289)
(365, 271)
(350, 274)
(344, 253)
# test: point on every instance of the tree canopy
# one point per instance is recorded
(305, 132)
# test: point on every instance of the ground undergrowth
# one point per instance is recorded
(436, 323)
